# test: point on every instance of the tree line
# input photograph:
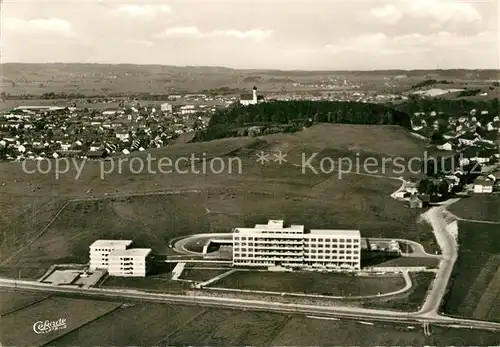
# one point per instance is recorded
(297, 114)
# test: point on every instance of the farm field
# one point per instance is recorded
(478, 207)
(11, 301)
(17, 328)
(410, 301)
(136, 324)
(173, 326)
(311, 283)
(475, 284)
(106, 323)
(302, 331)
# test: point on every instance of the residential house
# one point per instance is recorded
(482, 185)
(166, 107)
(450, 135)
(122, 136)
(419, 201)
(96, 146)
(444, 145)
(468, 139)
(99, 154)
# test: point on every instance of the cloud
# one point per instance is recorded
(177, 32)
(388, 14)
(37, 26)
(194, 32)
(413, 43)
(255, 34)
(142, 10)
(142, 43)
(437, 12)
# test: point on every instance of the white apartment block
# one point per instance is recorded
(129, 262)
(118, 259)
(273, 244)
(100, 250)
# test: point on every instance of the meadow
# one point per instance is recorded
(311, 283)
(17, 327)
(11, 301)
(410, 301)
(169, 325)
(478, 207)
(151, 209)
(474, 289)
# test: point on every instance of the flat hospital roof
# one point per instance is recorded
(338, 233)
(131, 252)
(111, 243)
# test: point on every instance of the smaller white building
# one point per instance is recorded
(129, 262)
(166, 107)
(482, 185)
(122, 136)
(101, 249)
(118, 259)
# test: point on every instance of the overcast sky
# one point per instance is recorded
(313, 35)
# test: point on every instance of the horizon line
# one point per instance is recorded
(253, 69)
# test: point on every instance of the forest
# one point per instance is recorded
(294, 115)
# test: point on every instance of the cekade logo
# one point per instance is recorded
(44, 327)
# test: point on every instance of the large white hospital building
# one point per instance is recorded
(118, 259)
(273, 244)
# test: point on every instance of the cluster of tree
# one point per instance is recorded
(221, 91)
(468, 92)
(52, 95)
(300, 114)
(428, 83)
(436, 169)
(436, 189)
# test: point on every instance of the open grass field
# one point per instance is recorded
(147, 284)
(200, 274)
(17, 328)
(224, 201)
(478, 207)
(410, 261)
(311, 283)
(410, 301)
(11, 301)
(475, 286)
(22, 218)
(238, 328)
(140, 324)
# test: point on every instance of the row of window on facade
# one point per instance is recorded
(237, 250)
(319, 245)
(328, 264)
(333, 257)
(252, 238)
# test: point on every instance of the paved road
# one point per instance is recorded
(449, 248)
(179, 244)
(331, 311)
(418, 249)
